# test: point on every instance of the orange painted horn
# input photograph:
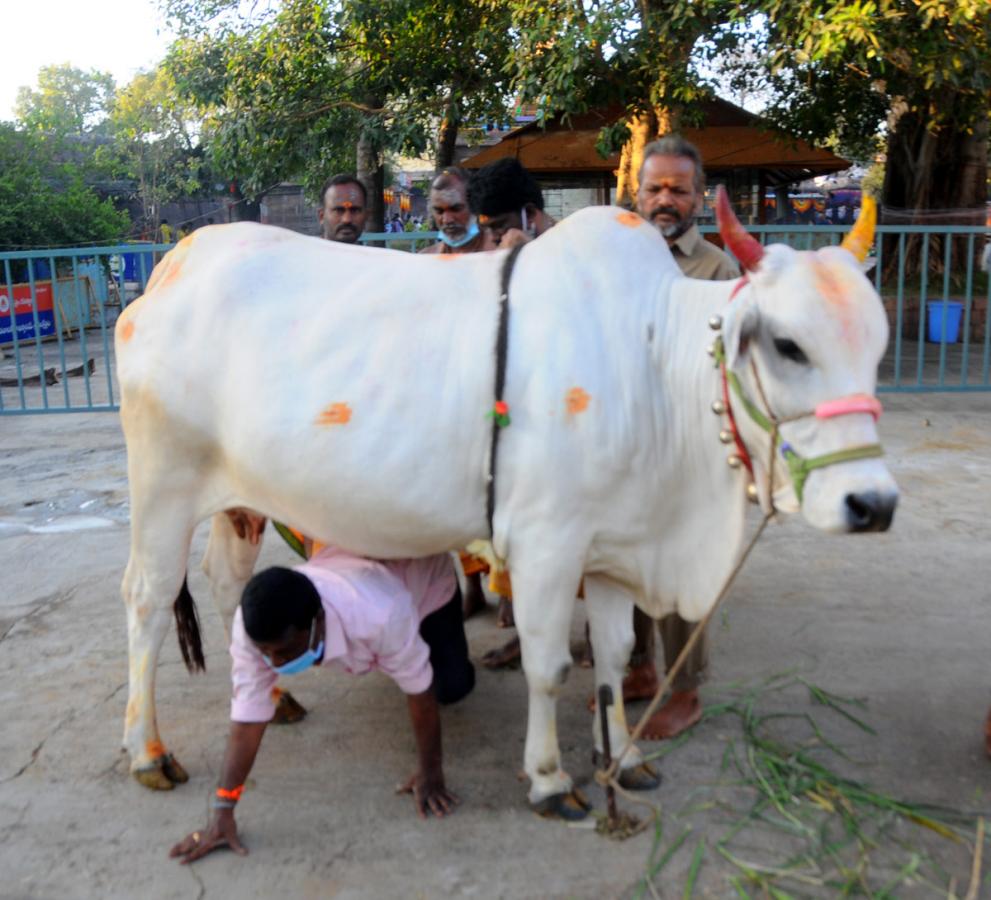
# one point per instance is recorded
(859, 240)
(745, 248)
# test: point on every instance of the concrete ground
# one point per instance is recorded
(902, 620)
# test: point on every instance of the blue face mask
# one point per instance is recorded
(470, 235)
(301, 663)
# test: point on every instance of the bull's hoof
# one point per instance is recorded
(288, 710)
(153, 776)
(639, 778)
(162, 774)
(570, 807)
(173, 771)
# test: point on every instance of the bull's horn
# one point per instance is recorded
(745, 248)
(859, 240)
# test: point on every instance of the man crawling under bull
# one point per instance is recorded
(401, 617)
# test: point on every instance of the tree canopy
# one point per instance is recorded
(301, 89)
(45, 202)
(918, 71)
(313, 86)
(67, 100)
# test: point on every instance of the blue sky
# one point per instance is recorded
(116, 36)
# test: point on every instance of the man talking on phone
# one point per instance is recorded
(508, 203)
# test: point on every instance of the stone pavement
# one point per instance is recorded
(902, 620)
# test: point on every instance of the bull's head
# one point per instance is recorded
(801, 345)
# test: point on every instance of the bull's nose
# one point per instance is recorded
(870, 511)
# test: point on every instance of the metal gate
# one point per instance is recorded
(58, 309)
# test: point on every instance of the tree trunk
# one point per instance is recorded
(447, 137)
(371, 173)
(643, 129)
(244, 209)
(937, 178)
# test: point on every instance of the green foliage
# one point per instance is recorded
(843, 67)
(572, 56)
(288, 94)
(66, 101)
(155, 142)
(44, 202)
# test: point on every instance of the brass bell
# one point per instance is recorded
(726, 437)
(711, 349)
(734, 461)
(716, 322)
(718, 407)
(752, 493)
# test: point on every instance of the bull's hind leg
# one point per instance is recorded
(154, 584)
(231, 554)
(610, 619)
(229, 563)
(544, 600)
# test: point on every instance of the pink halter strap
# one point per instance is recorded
(844, 406)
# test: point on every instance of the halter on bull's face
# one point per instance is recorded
(800, 344)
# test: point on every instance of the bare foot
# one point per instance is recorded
(680, 713)
(505, 618)
(640, 684)
(474, 598)
(507, 656)
(987, 734)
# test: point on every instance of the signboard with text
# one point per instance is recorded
(19, 297)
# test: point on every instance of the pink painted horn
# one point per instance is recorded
(745, 248)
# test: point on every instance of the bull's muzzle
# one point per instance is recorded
(870, 511)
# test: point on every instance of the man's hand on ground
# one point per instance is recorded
(221, 832)
(429, 794)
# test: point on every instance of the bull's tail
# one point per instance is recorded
(187, 624)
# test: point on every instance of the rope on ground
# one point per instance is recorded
(975, 872)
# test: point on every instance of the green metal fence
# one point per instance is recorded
(58, 309)
(935, 293)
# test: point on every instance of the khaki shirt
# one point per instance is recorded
(697, 258)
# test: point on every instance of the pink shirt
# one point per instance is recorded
(372, 611)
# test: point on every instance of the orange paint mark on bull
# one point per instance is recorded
(629, 219)
(171, 265)
(577, 400)
(154, 749)
(829, 283)
(125, 329)
(335, 414)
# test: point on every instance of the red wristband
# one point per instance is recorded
(232, 794)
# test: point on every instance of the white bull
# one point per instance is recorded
(341, 389)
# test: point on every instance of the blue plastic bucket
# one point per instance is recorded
(954, 311)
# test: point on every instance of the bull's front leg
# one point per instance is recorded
(610, 619)
(544, 599)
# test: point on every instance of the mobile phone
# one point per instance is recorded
(526, 224)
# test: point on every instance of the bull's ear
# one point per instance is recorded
(740, 324)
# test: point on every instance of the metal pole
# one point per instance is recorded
(605, 701)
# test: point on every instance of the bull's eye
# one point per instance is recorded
(790, 350)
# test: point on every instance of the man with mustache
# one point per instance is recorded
(456, 223)
(670, 194)
(343, 208)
